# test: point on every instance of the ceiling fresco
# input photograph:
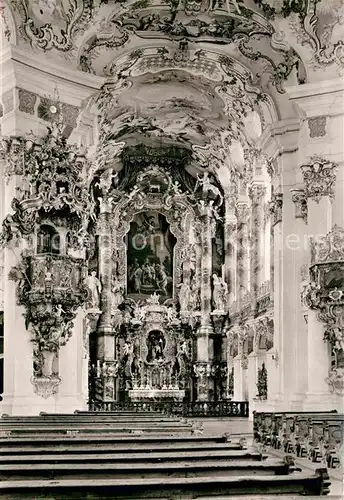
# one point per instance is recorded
(186, 114)
(207, 75)
(311, 28)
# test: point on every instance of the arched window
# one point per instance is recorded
(48, 240)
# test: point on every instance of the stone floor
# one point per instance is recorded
(243, 427)
(234, 426)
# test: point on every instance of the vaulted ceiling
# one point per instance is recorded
(183, 71)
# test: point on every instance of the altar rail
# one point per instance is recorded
(317, 436)
(188, 409)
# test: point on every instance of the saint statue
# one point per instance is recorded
(184, 296)
(117, 293)
(220, 293)
(95, 288)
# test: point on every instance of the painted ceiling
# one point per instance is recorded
(185, 70)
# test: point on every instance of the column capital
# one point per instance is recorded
(319, 177)
(256, 191)
(242, 211)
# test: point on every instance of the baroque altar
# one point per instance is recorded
(134, 246)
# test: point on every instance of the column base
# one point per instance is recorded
(297, 402)
(26, 405)
(205, 330)
(322, 402)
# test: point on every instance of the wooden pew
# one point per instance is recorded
(100, 458)
(149, 440)
(77, 447)
(316, 435)
(137, 456)
(123, 470)
(171, 487)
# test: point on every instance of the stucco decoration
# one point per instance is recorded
(319, 176)
(325, 291)
(49, 24)
(253, 35)
(315, 24)
(276, 208)
(300, 200)
(53, 208)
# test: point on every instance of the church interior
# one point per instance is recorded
(171, 248)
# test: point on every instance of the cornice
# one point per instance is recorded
(316, 88)
(319, 99)
(39, 75)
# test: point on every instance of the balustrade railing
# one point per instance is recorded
(225, 408)
(264, 289)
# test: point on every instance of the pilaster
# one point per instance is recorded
(320, 162)
(230, 235)
(281, 144)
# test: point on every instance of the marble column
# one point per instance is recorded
(206, 326)
(256, 193)
(230, 235)
(106, 337)
(242, 262)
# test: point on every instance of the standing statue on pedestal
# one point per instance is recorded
(117, 293)
(95, 288)
(220, 293)
(184, 296)
(209, 191)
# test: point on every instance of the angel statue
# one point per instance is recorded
(95, 288)
(208, 189)
(128, 348)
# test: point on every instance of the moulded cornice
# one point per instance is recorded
(319, 99)
(316, 88)
(42, 76)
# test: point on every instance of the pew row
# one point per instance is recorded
(170, 487)
(314, 435)
(141, 456)
(121, 470)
